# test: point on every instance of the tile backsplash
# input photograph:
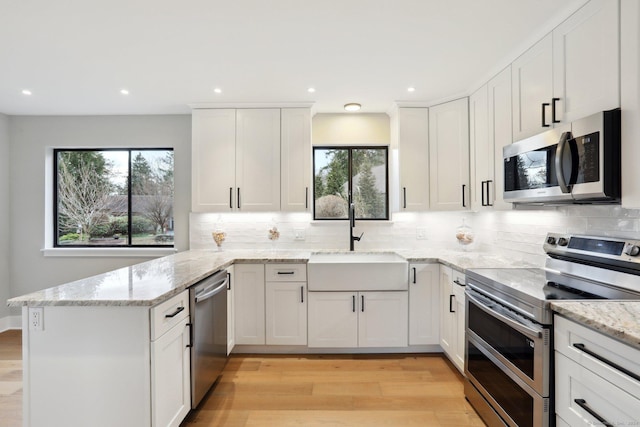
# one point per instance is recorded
(518, 233)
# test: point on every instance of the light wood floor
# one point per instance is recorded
(11, 379)
(396, 390)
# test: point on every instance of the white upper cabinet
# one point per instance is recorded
(213, 159)
(500, 134)
(586, 61)
(532, 80)
(449, 156)
(481, 150)
(258, 159)
(413, 153)
(295, 189)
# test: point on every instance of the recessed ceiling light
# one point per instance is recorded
(217, 90)
(26, 92)
(311, 90)
(124, 91)
(352, 106)
(411, 89)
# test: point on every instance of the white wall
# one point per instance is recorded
(31, 137)
(5, 220)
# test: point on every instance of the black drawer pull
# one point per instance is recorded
(583, 404)
(286, 272)
(457, 282)
(175, 313)
(614, 365)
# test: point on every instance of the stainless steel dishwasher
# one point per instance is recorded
(208, 305)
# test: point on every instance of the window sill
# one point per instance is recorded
(108, 252)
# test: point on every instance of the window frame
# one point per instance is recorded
(129, 245)
(350, 149)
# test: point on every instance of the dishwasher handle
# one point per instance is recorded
(209, 293)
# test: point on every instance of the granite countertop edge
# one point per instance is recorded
(188, 267)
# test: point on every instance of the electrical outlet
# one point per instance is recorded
(421, 233)
(36, 319)
(298, 234)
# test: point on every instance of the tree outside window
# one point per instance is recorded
(114, 197)
(351, 174)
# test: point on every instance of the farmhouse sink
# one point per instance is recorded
(357, 271)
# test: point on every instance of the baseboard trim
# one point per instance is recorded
(10, 322)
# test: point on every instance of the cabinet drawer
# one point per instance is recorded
(458, 278)
(168, 314)
(286, 272)
(598, 353)
(586, 399)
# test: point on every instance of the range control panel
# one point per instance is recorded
(593, 247)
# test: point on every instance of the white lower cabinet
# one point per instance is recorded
(170, 376)
(286, 312)
(424, 304)
(358, 319)
(249, 304)
(452, 315)
(231, 329)
(592, 387)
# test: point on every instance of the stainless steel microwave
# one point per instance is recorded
(578, 162)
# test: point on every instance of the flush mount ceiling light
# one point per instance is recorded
(352, 106)
(26, 92)
(217, 90)
(411, 89)
(124, 91)
(311, 90)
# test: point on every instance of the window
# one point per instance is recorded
(344, 175)
(113, 197)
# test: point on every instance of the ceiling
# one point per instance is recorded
(75, 56)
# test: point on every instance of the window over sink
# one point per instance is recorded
(113, 197)
(345, 175)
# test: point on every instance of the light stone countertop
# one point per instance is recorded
(152, 282)
(617, 319)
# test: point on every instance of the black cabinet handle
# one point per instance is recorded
(286, 272)
(544, 111)
(464, 205)
(230, 197)
(306, 197)
(353, 303)
(404, 197)
(583, 404)
(362, 307)
(190, 325)
(606, 361)
(175, 313)
(488, 193)
(414, 275)
(482, 193)
(238, 201)
(229, 281)
(302, 294)
(451, 297)
(553, 110)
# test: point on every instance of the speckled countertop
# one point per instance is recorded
(617, 319)
(151, 282)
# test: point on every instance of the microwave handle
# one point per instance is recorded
(562, 145)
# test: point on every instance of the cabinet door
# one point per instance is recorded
(459, 339)
(383, 319)
(295, 148)
(213, 160)
(249, 302)
(532, 83)
(286, 312)
(449, 156)
(413, 153)
(447, 311)
(586, 61)
(170, 379)
(231, 331)
(481, 149)
(333, 319)
(424, 304)
(258, 160)
(500, 133)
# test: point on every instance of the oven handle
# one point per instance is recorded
(511, 322)
(562, 144)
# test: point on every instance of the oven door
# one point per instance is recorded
(520, 344)
(495, 389)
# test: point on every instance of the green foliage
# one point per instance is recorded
(119, 225)
(100, 230)
(69, 237)
(141, 225)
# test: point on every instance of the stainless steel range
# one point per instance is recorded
(509, 348)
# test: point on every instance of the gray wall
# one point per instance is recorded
(31, 137)
(5, 221)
